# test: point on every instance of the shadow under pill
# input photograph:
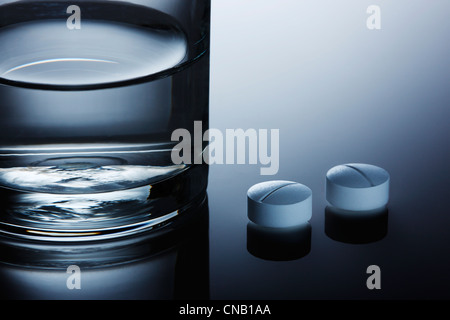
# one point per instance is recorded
(279, 244)
(356, 227)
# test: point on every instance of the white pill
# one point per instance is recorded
(357, 187)
(279, 204)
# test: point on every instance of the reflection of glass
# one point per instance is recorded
(171, 263)
(91, 110)
(356, 227)
(279, 244)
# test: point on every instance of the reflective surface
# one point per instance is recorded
(339, 93)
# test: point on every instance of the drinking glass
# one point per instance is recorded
(90, 94)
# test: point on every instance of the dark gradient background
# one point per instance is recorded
(338, 93)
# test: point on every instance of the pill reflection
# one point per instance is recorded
(279, 244)
(357, 227)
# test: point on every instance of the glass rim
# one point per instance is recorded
(192, 55)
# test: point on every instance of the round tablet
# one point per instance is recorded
(279, 204)
(357, 187)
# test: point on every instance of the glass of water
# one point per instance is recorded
(90, 94)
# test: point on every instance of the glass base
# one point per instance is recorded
(171, 263)
(96, 216)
